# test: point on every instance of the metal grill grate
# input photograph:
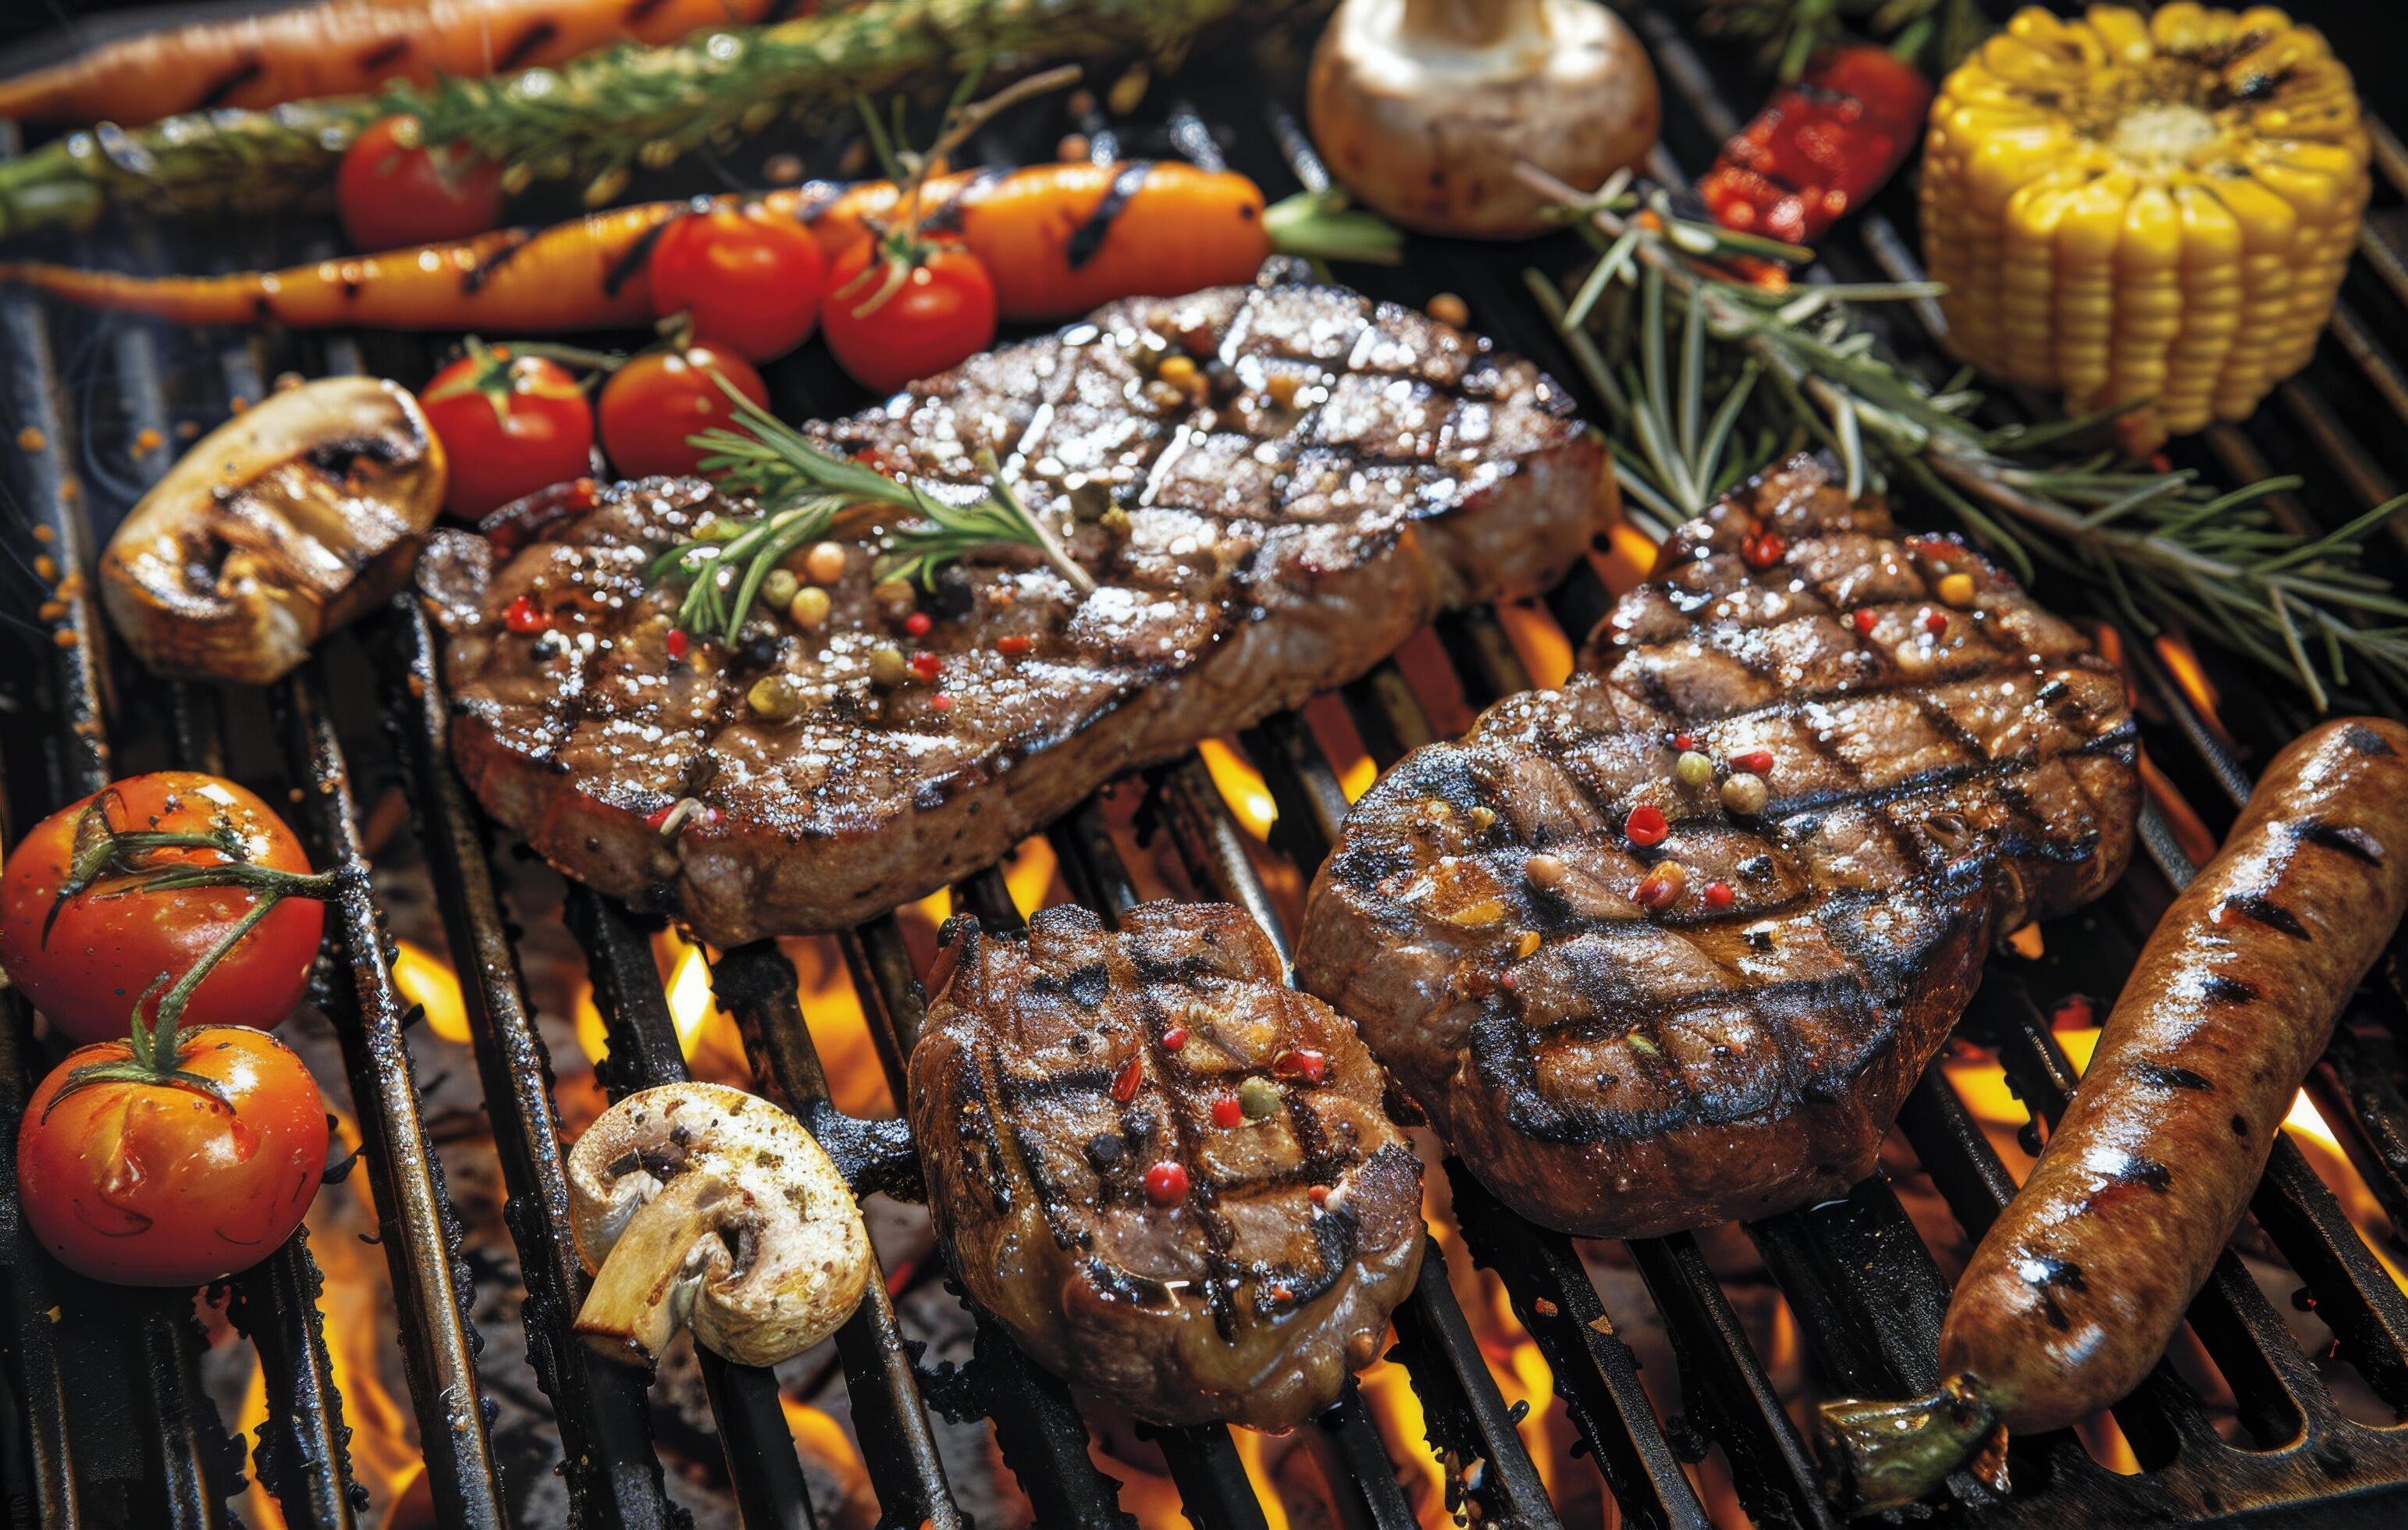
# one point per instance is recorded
(110, 1427)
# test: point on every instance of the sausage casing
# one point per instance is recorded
(2077, 1288)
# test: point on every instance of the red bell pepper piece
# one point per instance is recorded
(1819, 147)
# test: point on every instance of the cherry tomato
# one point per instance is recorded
(390, 194)
(656, 400)
(892, 318)
(509, 425)
(101, 953)
(147, 1182)
(742, 276)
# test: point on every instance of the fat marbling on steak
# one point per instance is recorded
(1167, 1172)
(1941, 760)
(1354, 468)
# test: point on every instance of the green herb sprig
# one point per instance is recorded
(803, 489)
(1758, 373)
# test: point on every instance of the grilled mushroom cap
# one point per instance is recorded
(697, 1203)
(1424, 108)
(275, 528)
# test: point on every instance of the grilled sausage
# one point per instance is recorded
(2076, 1289)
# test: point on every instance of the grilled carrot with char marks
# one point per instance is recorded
(1058, 240)
(2078, 1286)
(345, 48)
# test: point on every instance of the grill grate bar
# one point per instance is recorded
(614, 1475)
(422, 1240)
(757, 985)
(301, 1456)
(762, 1464)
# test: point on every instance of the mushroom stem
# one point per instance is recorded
(646, 1288)
(1472, 23)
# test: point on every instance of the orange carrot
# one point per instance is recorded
(1057, 239)
(343, 48)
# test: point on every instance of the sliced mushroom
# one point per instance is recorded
(696, 1204)
(1423, 107)
(275, 528)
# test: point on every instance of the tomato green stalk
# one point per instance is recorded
(103, 850)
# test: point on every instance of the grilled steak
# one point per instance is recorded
(1928, 761)
(1166, 1172)
(1334, 472)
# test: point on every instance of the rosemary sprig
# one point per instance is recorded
(803, 489)
(1757, 373)
(1936, 33)
(598, 117)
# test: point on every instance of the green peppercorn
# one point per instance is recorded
(887, 670)
(1745, 794)
(779, 588)
(1259, 1098)
(1694, 770)
(809, 609)
(772, 697)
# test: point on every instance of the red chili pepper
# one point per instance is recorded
(659, 816)
(1125, 1083)
(1756, 761)
(677, 643)
(1645, 825)
(1820, 147)
(1166, 1183)
(1302, 1062)
(523, 616)
(917, 623)
(1174, 1038)
(1867, 619)
(1227, 1112)
(1011, 645)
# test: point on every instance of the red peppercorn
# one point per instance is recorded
(1166, 1183)
(1684, 741)
(1867, 619)
(940, 702)
(1301, 1062)
(1319, 1193)
(1935, 623)
(1174, 1038)
(524, 616)
(1756, 761)
(1718, 894)
(1646, 825)
(917, 623)
(677, 643)
(1125, 1083)
(1765, 551)
(1227, 1112)
(1011, 645)
(926, 665)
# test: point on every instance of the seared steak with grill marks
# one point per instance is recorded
(1942, 761)
(1343, 470)
(1168, 1174)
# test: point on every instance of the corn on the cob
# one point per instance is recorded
(2129, 206)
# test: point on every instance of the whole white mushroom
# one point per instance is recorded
(1423, 107)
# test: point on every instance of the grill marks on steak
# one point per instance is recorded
(1270, 551)
(1616, 1071)
(1043, 1091)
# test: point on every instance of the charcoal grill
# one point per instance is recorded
(104, 1421)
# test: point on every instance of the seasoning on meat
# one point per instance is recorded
(1192, 1267)
(1720, 1022)
(1246, 555)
